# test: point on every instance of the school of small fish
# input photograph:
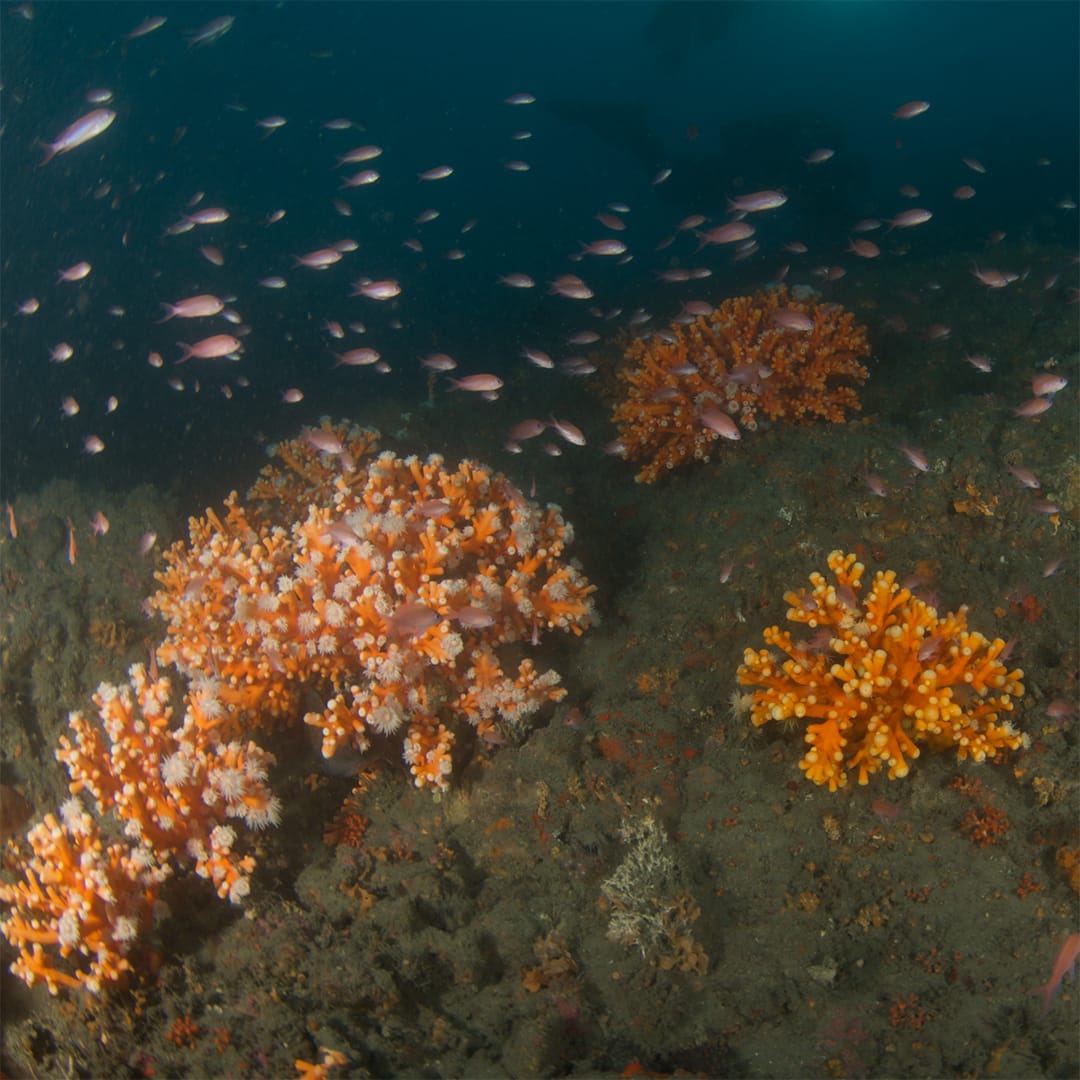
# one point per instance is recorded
(367, 294)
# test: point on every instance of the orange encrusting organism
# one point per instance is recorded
(389, 594)
(739, 362)
(384, 587)
(79, 906)
(883, 675)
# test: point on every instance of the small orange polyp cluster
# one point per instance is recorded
(881, 675)
(174, 788)
(80, 906)
(390, 594)
(739, 362)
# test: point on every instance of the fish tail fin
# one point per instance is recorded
(189, 352)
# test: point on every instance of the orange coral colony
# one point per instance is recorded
(775, 355)
(80, 906)
(387, 586)
(881, 674)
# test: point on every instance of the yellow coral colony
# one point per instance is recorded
(880, 674)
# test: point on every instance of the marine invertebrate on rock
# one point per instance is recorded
(393, 594)
(773, 355)
(881, 674)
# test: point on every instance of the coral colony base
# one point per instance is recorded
(880, 674)
(387, 585)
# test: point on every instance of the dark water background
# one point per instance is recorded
(730, 97)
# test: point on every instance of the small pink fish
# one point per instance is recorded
(69, 406)
(321, 259)
(520, 99)
(719, 422)
(993, 279)
(82, 131)
(440, 172)
(477, 383)
(916, 457)
(980, 363)
(816, 157)
(147, 26)
(1048, 383)
(193, 307)
(1064, 963)
(1044, 506)
(1035, 406)
(432, 508)
(612, 221)
(376, 290)
(964, 191)
(75, 273)
(758, 201)
(604, 247)
(357, 357)
(569, 432)
(99, 524)
(474, 618)
(911, 109)
(1060, 709)
(526, 429)
(326, 442)
(791, 319)
(361, 153)
(364, 178)
(517, 281)
(93, 445)
(211, 348)
(209, 215)
(146, 544)
(538, 358)
(213, 31)
(412, 618)
(876, 486)
(974, 164)
(909, 218)
(438, 362)
(292, 396)
(730, 233)
(571, 287)
(865, 249)
(1025, 476)
(583, 337)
